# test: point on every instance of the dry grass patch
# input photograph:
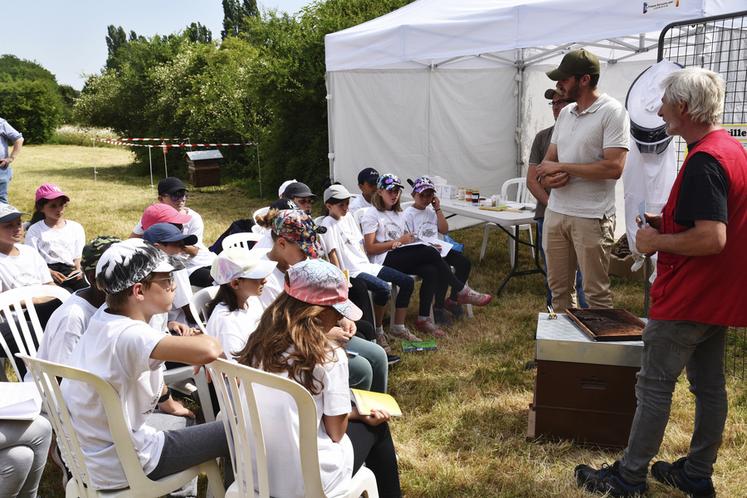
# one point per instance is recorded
(463, 433)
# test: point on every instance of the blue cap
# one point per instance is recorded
(162, 233)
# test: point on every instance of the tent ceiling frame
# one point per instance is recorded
(643, 44)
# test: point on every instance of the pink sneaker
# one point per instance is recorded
(429, 327)
(469, 296)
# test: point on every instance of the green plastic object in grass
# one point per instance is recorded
(412, 346)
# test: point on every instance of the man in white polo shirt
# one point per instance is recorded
(585, 158)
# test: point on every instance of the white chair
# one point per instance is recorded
(518, 194)
(176, 377)
(240, 239)
(13, 303)
(240, 413)
(46, 375)
(198, 305)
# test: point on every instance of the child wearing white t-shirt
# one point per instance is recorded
(292, 340)
(59, 241)
(426, 220)
(235, 310)
(121, 348)
(20, 266)
(173, 193)
(388, 241)
(344, 242)
(68, 322)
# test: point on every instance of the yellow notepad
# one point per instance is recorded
(366, 400)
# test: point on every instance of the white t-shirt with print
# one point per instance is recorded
(57, 245)
(195, 226)
(117, 349)
(65, 328)
(26, 268)
(423, 223)
(345, 238)
(233, 328)
(278, 411)
(388, 225)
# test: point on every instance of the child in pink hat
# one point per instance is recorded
(293, 340)
(59, 241)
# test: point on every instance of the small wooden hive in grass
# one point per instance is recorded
(204, 167)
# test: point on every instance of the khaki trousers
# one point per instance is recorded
(569, 241)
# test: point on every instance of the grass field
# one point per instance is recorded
(463, 433)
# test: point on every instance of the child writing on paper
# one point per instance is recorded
(426, 220)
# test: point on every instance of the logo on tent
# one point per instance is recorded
(659, 5)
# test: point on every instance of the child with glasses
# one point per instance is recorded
(120, 347)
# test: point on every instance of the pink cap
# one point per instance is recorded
(162, 213)
(315, 281)
(50, 191)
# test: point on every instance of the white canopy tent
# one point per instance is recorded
(455, 89)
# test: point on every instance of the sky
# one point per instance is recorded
(68, 37)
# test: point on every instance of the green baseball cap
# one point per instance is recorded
(575, 62)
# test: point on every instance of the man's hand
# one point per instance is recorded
(546, 168)
(645, 240)
(4, 163)
(556, 180)
(654, 220)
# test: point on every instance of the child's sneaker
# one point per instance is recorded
(453, 307)
(382, 341)
(469, 296)
(426, 325)
(442, 317)
(401, 332)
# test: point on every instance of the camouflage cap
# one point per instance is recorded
(93, 251)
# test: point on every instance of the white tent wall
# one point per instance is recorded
(458, 124)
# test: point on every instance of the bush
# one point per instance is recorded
(30, 99)
(33, 107)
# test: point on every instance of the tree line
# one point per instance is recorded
(263, 83)
(31, 100)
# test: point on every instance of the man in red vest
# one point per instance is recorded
(700, 237)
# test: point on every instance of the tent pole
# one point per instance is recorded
(330, 128)
(519, 109)
(428, 119)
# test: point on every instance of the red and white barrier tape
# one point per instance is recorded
(113, 141)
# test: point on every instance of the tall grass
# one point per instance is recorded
(463, 432)
(79, 135)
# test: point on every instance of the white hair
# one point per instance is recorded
(702, 90)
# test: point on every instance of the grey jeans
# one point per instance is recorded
(23, 454)
(668, 347)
